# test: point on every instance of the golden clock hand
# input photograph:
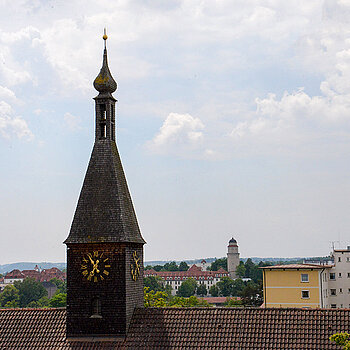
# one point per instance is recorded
(92, 262)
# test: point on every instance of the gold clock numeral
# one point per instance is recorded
(105, 260)
(95, 253)
(106, 272)
(89, 278)
(85, 273)
(102, 278)
(107, 265)
(85, 260)
(83, 267)
(95, 279)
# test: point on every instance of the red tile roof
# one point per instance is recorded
(185, 328)
(193, 271)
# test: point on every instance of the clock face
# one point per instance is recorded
(95, 266)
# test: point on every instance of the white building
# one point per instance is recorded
(337, 280)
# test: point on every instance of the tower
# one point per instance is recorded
(104, 246)
(232, 257)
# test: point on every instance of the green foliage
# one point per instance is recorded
(252, 294)
(219, 263)
(202, 290)
(58, 300)
(225, 286)
(61, 285)
(214, 291)
(183, 266)
(153, 283)
(192, 301)
(44, 302)
(9, 297)
(230, 302)
(341, 339)
(240, 270)
(170, 266)
(157, 268)
(187, 288)
(154, 299)
(237, 287)
(148, 267)
(29, 290)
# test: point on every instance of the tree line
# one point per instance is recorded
(30, 293)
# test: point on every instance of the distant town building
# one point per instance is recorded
(232, 258)
(44, 275)
(175, 278)
(310, 285)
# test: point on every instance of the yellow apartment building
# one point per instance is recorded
(298, 285)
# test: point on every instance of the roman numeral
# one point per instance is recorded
(106, 272)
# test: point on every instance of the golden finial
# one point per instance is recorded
(105, 37)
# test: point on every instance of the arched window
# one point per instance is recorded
(96, 308)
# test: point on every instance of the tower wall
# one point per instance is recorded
(232, 259)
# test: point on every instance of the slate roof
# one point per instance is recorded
(105, 212)
(184, 328)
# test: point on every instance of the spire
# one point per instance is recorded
(104, 82)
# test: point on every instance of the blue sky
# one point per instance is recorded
(232, 120)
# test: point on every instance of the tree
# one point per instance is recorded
(214, 291)
(225, 286)
(237, 287)
(9, 297)
(153, 283)
(157, 268)
(170, 266)
(154, 299)
(187, 288)
(192, 301)
(341, 339)
(215, 266)
(252, 294)
(61, 285)
(58, 300)
(183, 266)
(29, 290)
(231, 302)
(240, 270)
(202, 290)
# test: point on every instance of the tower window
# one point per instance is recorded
(103, 112)
(96, 308)
(103, 130)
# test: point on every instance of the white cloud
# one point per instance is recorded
(13, 125)
(72, 121)
(178, 134)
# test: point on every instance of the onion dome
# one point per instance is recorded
(104, 82)
(232, 240)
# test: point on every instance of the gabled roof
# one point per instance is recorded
(105, 212)
(184, 328)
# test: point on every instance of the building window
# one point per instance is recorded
(96, 308)
(340, 290)
(348, 274)
(347, 259)
(339, 259)
(332, 276)
(305, 294)
(304, 277)
(339, 274)
(333, 306)
(333, 292)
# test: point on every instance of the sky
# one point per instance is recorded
(233, 120)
